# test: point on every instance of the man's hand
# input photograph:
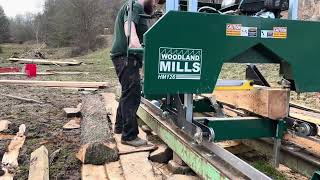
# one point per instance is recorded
(134, 39)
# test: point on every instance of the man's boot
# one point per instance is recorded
(136, 142)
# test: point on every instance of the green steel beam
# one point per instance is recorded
(189, 57)
(197, 159)
(243, 127)
(135, 50)
(316, 176)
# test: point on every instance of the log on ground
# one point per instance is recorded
(272, 103)
(98, 145)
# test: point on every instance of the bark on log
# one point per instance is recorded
(96, 137)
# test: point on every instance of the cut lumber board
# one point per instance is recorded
(97, 146)
(93, 172)
(70, 84)
(305, 115)
(272, 103)
(39, 164)
(109, 171)
(137, 166)
(45, 62)
(9, 69)
(114, 170)
(43, 73)
(308, 144)
(134, 165)
(10, 158)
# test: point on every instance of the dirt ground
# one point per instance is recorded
(44, 121)
(44, 127)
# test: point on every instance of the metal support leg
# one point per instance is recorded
(293, 9)
(276, 151)
(172, 5)
(193, 5)
(188, 105)
(281, 128)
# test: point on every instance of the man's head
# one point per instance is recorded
(150, 5)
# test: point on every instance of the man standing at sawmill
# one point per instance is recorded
(128, 69)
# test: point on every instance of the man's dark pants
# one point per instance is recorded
(129, 78)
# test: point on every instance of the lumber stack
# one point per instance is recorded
(268, 102)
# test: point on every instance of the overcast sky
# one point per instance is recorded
(14, 7)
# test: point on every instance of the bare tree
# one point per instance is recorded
(4, 27)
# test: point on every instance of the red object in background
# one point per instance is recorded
(9, 69)
(31, 70)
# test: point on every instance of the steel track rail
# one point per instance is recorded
(294, 157)
(208, 160)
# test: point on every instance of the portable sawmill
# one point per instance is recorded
(183, 100)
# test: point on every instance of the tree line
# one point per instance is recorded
(62, 23)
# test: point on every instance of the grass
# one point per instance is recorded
(97, 63)
(267, 169)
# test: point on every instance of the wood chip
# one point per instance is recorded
(39, 164)
(74, 123)
(4, 124)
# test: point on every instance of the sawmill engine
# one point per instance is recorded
(260, 8)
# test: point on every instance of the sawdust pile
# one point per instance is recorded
(309, 10)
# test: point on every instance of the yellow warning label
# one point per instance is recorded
(280, 32)
(233, 30)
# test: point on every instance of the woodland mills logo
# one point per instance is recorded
(179, 63)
